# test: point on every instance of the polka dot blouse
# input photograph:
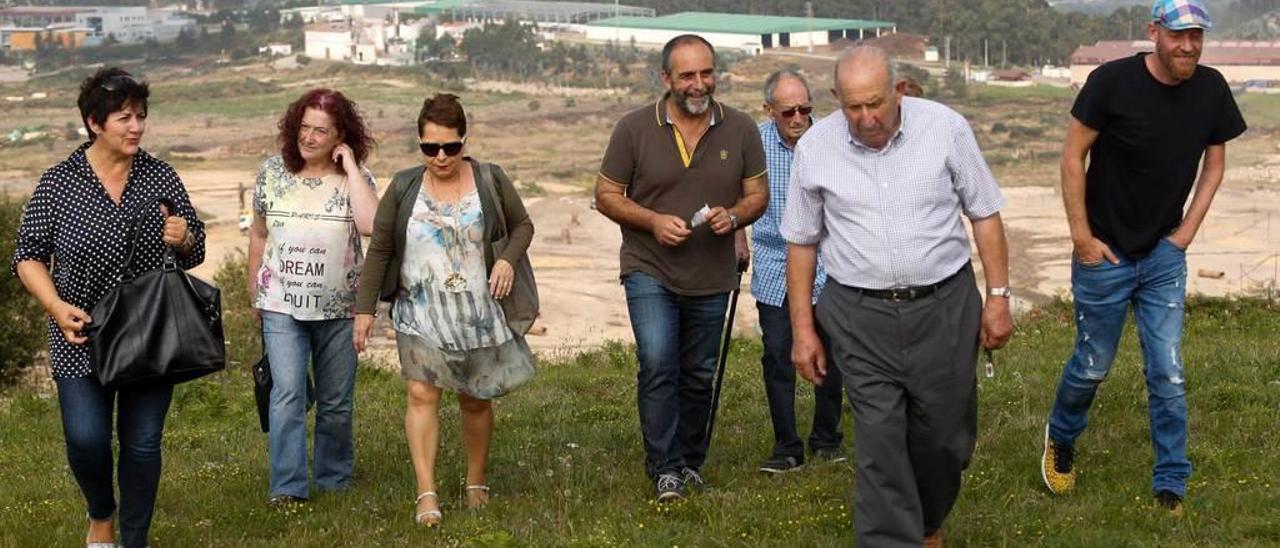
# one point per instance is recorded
(71, 223)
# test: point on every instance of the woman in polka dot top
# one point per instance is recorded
(77, 222)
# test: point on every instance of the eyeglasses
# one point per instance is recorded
(804, 111)
(118, 82)
(450, 149)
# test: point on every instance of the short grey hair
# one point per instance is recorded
(860, 51)
(771, 83)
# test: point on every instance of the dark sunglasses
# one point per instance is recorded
(450, 149)
(118, 82)
(804, 111)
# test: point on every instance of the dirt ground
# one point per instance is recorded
(575, 253)
(553, 147)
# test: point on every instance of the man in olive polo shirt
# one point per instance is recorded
(680, 176)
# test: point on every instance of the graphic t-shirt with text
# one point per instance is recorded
(312, 260)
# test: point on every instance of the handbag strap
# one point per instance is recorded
(495, 191)
(135, 217)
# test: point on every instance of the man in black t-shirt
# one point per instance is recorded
(1144, 122)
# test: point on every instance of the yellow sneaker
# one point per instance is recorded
(1056, 465)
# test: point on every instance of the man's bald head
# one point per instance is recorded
(864, 86)
(865, 61)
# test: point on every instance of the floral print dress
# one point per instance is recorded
(451, 332)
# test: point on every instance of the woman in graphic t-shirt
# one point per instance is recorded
(311, 205)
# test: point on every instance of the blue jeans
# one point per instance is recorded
(86, 423)
(1156, 287)
(780, 388)
(292, 345)
(677, 342)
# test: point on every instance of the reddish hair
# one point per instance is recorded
(346, 118)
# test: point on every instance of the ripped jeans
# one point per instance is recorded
(1156, 286)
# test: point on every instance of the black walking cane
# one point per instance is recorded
(723, 359)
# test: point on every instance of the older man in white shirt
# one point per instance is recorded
(880, 189)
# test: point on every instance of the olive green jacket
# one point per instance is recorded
(507, 230)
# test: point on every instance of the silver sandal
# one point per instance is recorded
(482, 488)
(429, 518)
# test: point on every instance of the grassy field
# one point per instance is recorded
(566, 467)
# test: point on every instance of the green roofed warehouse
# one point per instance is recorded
(751, 33)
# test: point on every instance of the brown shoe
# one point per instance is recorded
(934, 540)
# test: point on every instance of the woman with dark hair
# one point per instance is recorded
(311, 204)
(77, 222)
(446, 240)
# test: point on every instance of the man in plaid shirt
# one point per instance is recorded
(788, 104)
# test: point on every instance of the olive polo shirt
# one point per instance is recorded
(647, 156)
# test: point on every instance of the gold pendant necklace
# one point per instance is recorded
(455, 250)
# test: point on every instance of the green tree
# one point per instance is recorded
(509, 48)
(228, 34)
(185, 39)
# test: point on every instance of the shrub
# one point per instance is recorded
(238, 325)
(1027, 132)
(955, 83)
(534, 105)
(23, 320)
(531, 188)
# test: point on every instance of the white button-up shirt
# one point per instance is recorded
(890, 217)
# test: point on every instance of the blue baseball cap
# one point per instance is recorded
(1181, 14)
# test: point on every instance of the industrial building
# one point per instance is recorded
(530, 11)
(1238, 61)
(750, 33)
(89, 25)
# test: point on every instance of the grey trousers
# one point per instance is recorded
(909, 371)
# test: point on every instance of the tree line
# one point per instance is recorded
(1024, 32)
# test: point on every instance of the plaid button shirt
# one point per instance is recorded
(890, 217)
(769, 269)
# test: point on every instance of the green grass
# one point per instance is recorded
(1261, 111)
(983, 94)
(566, 465)
(255, 106)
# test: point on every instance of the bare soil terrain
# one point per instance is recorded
(217, 126)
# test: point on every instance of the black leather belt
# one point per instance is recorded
(905, 294)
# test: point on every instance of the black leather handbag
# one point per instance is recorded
(157, 326)
(262, 383)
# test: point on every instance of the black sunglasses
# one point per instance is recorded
(804, 111)
(118, 82)
(450, 149)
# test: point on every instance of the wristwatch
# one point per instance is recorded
(733, 221)
(999, 292)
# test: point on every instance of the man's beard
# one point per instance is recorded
(1178, 71)
(687, 104)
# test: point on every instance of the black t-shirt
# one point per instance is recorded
(1147, 154)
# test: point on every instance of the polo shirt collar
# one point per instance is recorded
(663, 118)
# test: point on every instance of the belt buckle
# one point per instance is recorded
(901, 294)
